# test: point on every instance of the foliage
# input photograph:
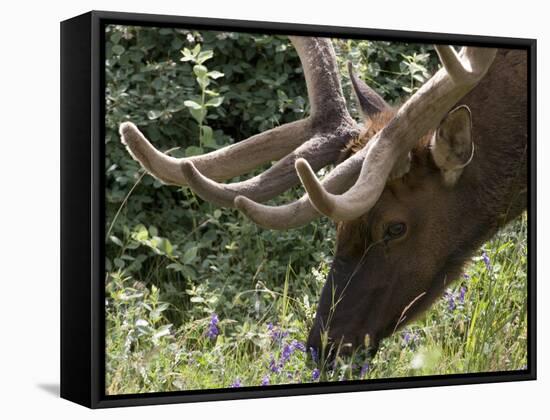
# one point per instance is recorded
(479, 325)
(198, 296)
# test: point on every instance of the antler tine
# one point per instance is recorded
(450, 61)
(422, 112)
(320, 150)
(328, 115)
(322, 76)
(467, 67)
(222, 164)
(370, 102)
(316, 192)
(301, 212)
(289, 216)
(158, 164)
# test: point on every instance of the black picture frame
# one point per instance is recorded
(82, 209)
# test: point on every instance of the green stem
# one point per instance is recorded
(203, 94)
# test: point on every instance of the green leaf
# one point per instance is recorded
(141, 234)
(141, 323)
(192, 104)
(188, 271)
(215, 74)
(200, 71)
(188, 55)
(154, 114)
(115, 37)
(132, 245)
(205, 55)
(189, 255)
(176, 43)
(118, 49)
(198, 114)
(214, 102)
(165, 246)
(115, 240)
(193, 151)
(207, 136)
(175, 266)
(162, 331)
(203, 82)
(119, 263)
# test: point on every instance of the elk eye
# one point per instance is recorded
(395, 230)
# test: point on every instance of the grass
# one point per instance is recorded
(160, 338)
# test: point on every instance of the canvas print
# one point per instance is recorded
(295, 210)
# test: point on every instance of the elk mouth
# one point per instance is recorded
(342, 326)
(338, 345)
(353, 315)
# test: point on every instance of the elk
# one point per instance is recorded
(415, 190)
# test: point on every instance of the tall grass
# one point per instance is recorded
(156, 343)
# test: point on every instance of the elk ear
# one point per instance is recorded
(370, 102)
(452, 145)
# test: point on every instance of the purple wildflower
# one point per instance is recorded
(462, 294)
(450, 300)
(287, 352)
(315, 374)
(364, 369)
(265, 381)
(213, 331)
(236, 384)
(466, 276)
(298, 345)
(452, 303)
(276, 333)
(410, 337)
(314, 355)
(273, 366)
(486, 260)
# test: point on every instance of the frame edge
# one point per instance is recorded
(76, 246)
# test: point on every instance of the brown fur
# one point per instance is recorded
(376, 279)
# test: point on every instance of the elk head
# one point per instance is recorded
(394, 195)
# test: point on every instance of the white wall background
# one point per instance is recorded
(29, 227)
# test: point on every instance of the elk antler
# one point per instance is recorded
(421, 113)
(318, 138)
